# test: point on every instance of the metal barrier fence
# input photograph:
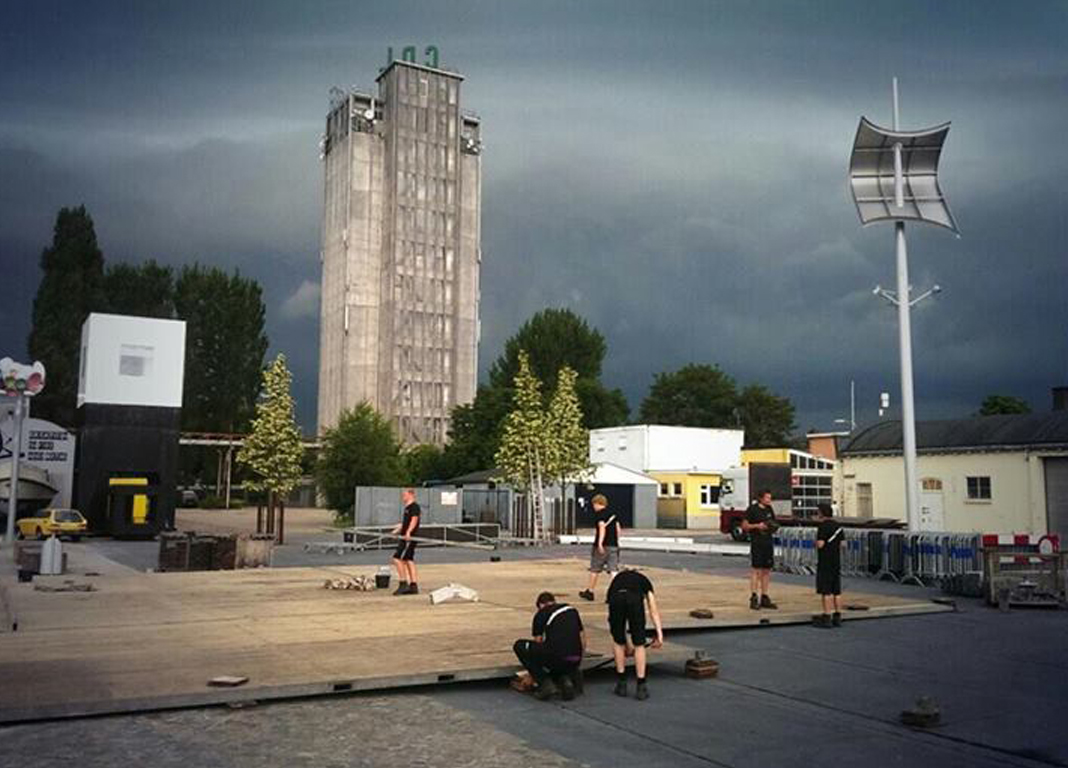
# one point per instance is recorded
(916, 558)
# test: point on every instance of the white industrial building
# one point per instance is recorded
(654, 448)
(988, 474)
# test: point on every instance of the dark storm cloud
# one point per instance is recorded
(674, 172)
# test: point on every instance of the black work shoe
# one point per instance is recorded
(402, 588)
(823, 621)
(765, 602)
(546, 690)
(621, 688)
(413, 589)
(586, 594)
(836, 619)
(642, 693)
(754, 602)
(567, 688)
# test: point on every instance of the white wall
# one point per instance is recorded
(132, 361)
(1017, 485)
(652, 448)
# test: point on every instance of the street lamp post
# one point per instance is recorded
(893, 175)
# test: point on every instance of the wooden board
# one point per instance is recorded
(152, 641)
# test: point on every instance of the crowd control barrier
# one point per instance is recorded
(909, 558)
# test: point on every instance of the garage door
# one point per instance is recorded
(620, 501)
(1057, 495)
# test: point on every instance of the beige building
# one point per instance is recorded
(401, 252)
(989, 474)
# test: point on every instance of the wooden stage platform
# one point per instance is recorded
(153, 641)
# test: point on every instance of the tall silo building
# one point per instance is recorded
(401, 252)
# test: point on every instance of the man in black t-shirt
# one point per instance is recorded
(628, 595)
(556, 650)
(605, 553)
(404, 556)
(760, 524)
(829, 568)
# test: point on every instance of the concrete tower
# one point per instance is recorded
(401, 252)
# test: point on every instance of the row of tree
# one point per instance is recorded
(224, 314)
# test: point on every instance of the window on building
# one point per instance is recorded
(709, 495)
(663, 489)
(135, 360)
(678, 489)
(979, 488)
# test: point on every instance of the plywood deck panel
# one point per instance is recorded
(150, 641)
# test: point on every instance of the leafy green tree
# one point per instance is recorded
(768, 419)
(1000, 405)
(693, 396)
(554, 338)
(144, 290)
(526, 447)
(71, 287)
(360, 450)
(273, 450)
(225, 346)
(423, 463)
(569, 441)
(476, 430)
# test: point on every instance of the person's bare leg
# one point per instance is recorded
(639, 661)
(837, 603)
(619, 653)
(825, 601)
(412, 577)
(402, 572)
(765, 580)
(754, 580)
(593, 580)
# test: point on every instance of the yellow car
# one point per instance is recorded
(45, 522)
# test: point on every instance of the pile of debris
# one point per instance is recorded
(358, 583)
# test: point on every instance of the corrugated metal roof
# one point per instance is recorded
(977, 433)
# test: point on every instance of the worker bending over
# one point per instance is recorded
(628, 595)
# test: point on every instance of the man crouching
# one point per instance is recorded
(556, 650)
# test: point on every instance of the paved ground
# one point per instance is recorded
(786, 696)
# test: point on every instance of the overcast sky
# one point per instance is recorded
(674, 172)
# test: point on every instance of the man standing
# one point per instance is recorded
(760, 523)
(605, 553)
(628, 595)
(829, 568)
(556, 650)
(404, 557)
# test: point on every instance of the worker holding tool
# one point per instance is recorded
(404, 556)
(605, 553)
(829, 537)
(554, 655)
(628, 595)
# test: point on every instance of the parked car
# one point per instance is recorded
(45, 522)
(190, 498)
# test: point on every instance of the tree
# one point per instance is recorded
(999, 405)
(145, 290)
(273, 449)
(360, 450)
(225, 346)
(71, 287)
(768, 419)
(525, 449)
(693, 396)
(569, 441)
(423, 463)
(476, 429)
(552, 339)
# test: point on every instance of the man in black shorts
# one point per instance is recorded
(628, 595)
(829, 568)
(605, 553)
(556, 650)
(760, 523)
(404, 557)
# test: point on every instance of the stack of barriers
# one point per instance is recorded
(926, 559)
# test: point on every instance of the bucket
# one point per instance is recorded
(382, 580)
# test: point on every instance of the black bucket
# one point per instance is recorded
(381, 581)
